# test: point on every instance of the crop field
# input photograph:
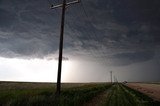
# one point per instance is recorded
(150, 89)
(73, 94)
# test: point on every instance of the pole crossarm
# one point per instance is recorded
(61, 5)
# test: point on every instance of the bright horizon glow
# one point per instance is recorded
(32, 70)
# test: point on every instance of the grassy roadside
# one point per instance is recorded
(73, 96)
(121, 95)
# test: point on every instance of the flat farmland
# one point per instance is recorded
(40, 94)
(72, 94)
(150, 89)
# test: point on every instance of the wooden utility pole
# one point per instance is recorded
(114, 79)
(111, 76)
(63, 5)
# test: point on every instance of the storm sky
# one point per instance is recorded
(100, 36)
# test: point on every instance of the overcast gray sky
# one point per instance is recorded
(100, 36)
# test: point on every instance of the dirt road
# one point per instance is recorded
(120, 95)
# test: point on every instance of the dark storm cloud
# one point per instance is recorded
(126, 31)
(7, 18)
(126, 26)
(25, 29)
(130, 58)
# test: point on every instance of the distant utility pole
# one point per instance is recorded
(111, 76)
(114, 79)
(63, 5)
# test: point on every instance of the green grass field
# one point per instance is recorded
(31, 94)
(43, 94)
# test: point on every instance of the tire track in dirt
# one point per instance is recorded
(99, 100)
(120, 95)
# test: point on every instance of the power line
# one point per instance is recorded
(87, 38)
(50, 3)
(94, 33)
(90, 36)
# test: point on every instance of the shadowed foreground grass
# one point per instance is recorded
(32, 94)
(40, 94)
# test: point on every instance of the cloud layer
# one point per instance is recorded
(114, 32)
